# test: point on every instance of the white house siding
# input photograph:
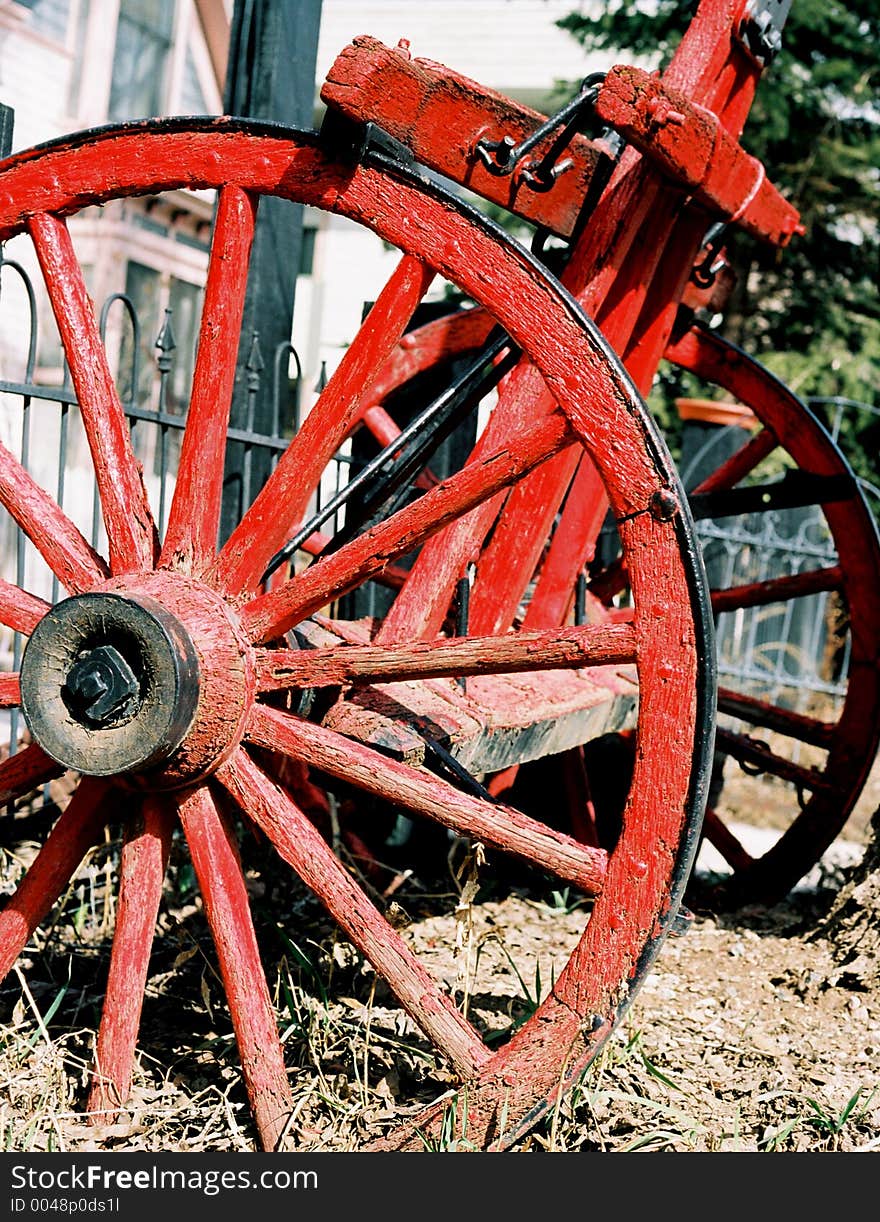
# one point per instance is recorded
(512, 46)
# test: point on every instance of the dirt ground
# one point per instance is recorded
(743, 1037)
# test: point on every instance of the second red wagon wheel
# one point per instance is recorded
(821, 792)
(163, 677)
(818, 794)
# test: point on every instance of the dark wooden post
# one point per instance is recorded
(270, 76)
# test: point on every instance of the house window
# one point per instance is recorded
(140, 62)
(49, 17)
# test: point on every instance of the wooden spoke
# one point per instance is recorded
(298, 842)
(573, 544)
(77, 829)
(593, 645)
(194, 518)
(738, 465)
(778, 589)
(280, 506)
(73, 561)
(18, 609)
(24, 771)
(500, 827)
(141, 875)
(272, 614)
(721, 838)
(10, 690)
(510, 557)
(761, 759)
(774, 717)
(418, 613)
(218, 870)
(130, 527)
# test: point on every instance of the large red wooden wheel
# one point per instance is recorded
(162, 676)
(820, 793)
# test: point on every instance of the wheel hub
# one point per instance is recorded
(152, 679)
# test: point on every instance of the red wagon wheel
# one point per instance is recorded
(820, 795)
(159, 677)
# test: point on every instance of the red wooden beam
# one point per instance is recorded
(440, 116)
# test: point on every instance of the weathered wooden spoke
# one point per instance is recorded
(10, 691)
(740, 464)
(26, 770)
(78, 828)
(18, 609)
(594, 645)
(722, 838)
(142, 868)
(302, 847)
(761, 758)
(282, 502)
(425, 794)
(194, 520)
(130, 528)
(274, 613)
(70, 557)
(775, 717)
(218, 868)
(778, 589)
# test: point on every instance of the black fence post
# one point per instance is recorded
(7, 120)
(270, 76)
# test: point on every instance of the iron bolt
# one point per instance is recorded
(101, 686)
(663, 505)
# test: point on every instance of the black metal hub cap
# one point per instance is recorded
(109, 684)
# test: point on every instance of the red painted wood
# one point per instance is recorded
(300, 845)
(143, 862)
(425, 794)
(282, 502)
(272, 614)
(778, 589)
(10, 690)
(194, 518)
(547, 1054)
(18, 609)
(70, 557)
(720, 836)
(78, 827)
(130, 527)
(218, 870)
(853, 745)
(630, 915)
(571, 548)
(692, 147)
(775, 717)
(582, 813)
(27, 769)
(441, 115)
(592, 645)
(423, 604)
(385, 430)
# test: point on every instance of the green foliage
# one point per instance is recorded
(812, 311)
